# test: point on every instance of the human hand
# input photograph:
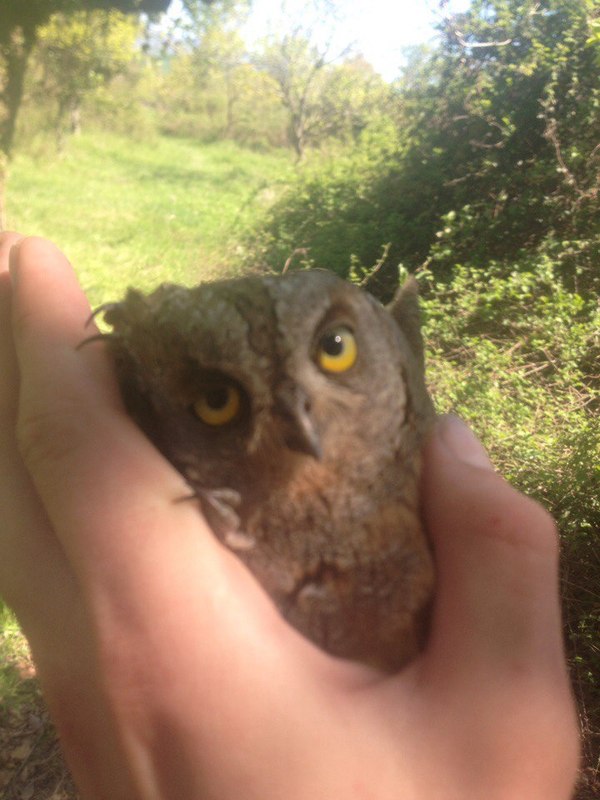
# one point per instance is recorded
(166, 668)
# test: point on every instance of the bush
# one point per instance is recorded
(330, 207)
(515, 351)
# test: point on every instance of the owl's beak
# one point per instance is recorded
(300, 433)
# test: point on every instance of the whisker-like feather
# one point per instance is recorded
(97, 337)
(102, 309)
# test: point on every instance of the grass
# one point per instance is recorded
(14, 656)
(143, 212)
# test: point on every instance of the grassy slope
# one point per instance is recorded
(142, 212)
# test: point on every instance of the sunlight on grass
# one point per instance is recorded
(15, 659)
(141, 213)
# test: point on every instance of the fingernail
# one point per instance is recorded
(462, 442)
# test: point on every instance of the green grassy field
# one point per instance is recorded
(135, 212)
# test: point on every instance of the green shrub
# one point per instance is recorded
(515, 351)
(330, 207)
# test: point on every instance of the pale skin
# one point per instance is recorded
(167, 670)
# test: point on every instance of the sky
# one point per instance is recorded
(378, 29)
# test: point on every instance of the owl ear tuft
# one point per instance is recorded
(405, 309)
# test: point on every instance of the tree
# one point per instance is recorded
(78, 53)
(219, 52)
(353, 96)
(19, 25)
(20, 21)
(506, 119)
(498, 153)
(186, 32)
(297, 61)
(206, 70)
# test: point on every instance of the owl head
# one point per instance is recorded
(244, 380)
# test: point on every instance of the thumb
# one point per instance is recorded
(497, 607)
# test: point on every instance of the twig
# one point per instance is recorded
(464, 43)
(302, 251)
(378, 265)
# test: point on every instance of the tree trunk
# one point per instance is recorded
(14, 51)
(68, 120)
(76, 118)
(231, 101)
(297, 135)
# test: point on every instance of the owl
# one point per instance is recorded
(295, 406)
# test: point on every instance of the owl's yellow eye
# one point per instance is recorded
(337, 350)
(218, 405)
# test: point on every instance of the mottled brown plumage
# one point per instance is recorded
(295, 406)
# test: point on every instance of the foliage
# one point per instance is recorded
(516, 353)
(322, 99)
(18, 32)
(287, 91)
(34, 13)
(195, 20)
(516, 124)
(353, 98)
(12, 651)
(214, 93)
(324, 91)
(333, 209)
(498, 126)
(193, 76)
(75, 55)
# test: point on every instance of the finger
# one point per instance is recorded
(69, 401)
(33, 575)
(494, 675)
(109, 495)
(497, 606)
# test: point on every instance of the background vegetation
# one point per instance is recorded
(153, 150)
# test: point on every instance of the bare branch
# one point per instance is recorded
(299, 251)
(464, 43)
